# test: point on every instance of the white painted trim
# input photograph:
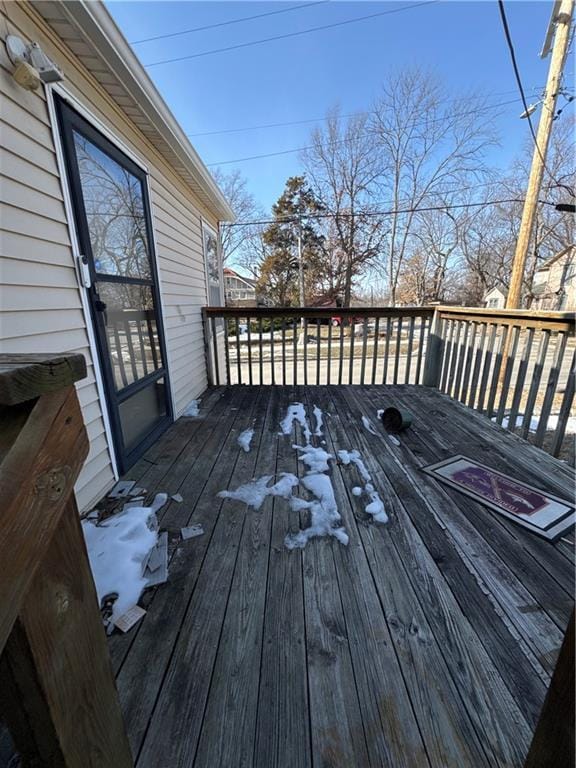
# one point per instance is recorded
(161, 295)
(91, 118)
(96, 26)
(81, 289)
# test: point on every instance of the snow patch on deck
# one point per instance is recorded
(245, 438)
(255, 492)
(375, 506)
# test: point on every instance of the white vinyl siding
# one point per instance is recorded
(40, 301)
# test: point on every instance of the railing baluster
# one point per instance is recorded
(364, 349)
(317, 351)
(260, 356)
(449, 331)
(463, 347)
(496, 371)
(272, 331)
(295, 325)
(468, 362)
(238, 361)
(454, 360)
(535, 385)
(341, 359)
(520, 379)
(564, 414)
(352, 327)
(226, 351)
(215, 351)
(375, 350)
(409, 355)
(561, 341)
(328, 370)
(510, 350)
(119, 355)
(128, 333)
(397, 350)
(387, 350)
(142, 347)
(249, 332)
(305, 339)
(486, 367)
(477, 366)
(284, 351)
(422, 336)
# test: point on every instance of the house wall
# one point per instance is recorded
(41, 307)
(559, 284)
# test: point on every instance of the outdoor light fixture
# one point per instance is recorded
(32, 65)
(531, 109)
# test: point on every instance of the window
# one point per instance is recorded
(213, 271)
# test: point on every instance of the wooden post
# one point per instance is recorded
(434, 353)
(563, 23)
(57, 692)
(553, 742)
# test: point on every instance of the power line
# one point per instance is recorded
(510, 45)
(227, 23)
(292, 34)
(478, 110)
(303, 121)
(288, 220)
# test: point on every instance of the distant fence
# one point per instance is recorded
(515, 366)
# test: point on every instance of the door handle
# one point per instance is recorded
(100, 306)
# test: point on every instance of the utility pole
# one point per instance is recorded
(302, 298)
(562, 19)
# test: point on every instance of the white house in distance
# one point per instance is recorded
(238, 290)
(495, 298)
(109, 228)
(554, 286)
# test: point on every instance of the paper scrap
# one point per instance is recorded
(121, 489)
(191, 531)
(131, 617)
(177, 497)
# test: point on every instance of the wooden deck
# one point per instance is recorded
(428, 641)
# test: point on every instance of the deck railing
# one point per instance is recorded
(515, 366)
(317, 346)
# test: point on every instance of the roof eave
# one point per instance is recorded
(96, 23)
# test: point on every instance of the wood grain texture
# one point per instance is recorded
(24, 377)
(425, 642)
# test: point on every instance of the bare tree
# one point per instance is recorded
(240, 237)
(342, 166)
(428, 148)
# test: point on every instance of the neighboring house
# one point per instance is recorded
(554, 285)
(238, 290)
(109, 222)
(495, 298)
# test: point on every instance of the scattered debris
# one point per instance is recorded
(130, 618)
(117, 549)
(138, 492)
(369, 426)
(94, 515)
(122, 489)
(192, 531)
(254, 492)
(177, 497)
(245, 438)
(192, 409)
(319, 417)
(137, 502)
(396, 420)
(156, 571)
(393, 440)
(297, 413)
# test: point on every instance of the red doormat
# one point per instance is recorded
(546, 515)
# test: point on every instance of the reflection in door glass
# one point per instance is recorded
(131, 330)
(114, 205)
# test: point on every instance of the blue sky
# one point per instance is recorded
(299, 78)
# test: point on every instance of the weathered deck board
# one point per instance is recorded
(427, 641)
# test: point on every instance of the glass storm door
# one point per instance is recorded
(112, 215)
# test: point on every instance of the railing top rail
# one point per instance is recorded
(318, 312)
(509, 314)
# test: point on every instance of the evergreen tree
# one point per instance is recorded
(279, 269)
